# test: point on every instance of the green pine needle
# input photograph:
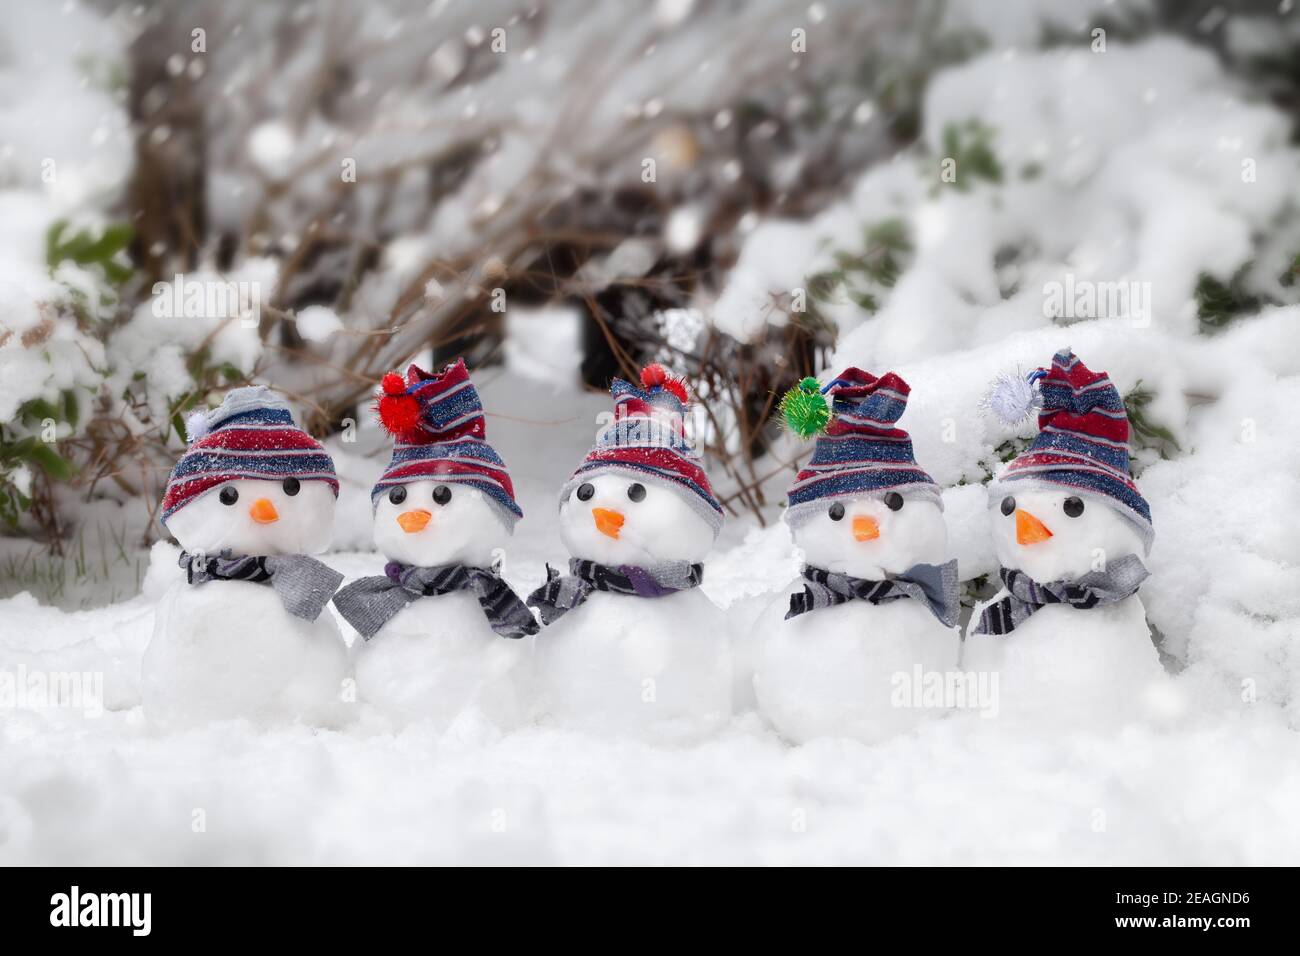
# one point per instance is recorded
(805, 409)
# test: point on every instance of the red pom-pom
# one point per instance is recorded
(400, 414)
(393, 384)
(656, 376)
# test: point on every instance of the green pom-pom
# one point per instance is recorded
(805, 409)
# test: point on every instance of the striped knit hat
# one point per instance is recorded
(647, 441)
(861, 452)
(251, 435)
(1082, 442)
(437, 421)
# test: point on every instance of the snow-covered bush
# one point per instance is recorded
(64, 157)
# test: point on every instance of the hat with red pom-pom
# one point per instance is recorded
(1082, 441)
(437, 423)
(860, 449)
(251, 435)
(647, 441)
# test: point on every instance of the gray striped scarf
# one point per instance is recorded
(934, 584)
(1026, 596)
(562, 593)
(304, 585)
(370, 603)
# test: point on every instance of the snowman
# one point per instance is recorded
(1067, 634)
(877, 599)
(632, 646)
(440, 627)
(241, 633)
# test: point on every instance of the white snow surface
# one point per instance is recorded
(1202, 778)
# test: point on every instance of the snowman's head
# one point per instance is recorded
(861, 505)
(1067, 504)
(250, 481)
(622, 518)
(257, 516)
(445, 497)
(873, 536)
(641, 496)
(1058, 534)
(427, 523)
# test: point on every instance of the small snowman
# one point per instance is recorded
(1067, 634)
(877, 599)
(632, 646)
(241, 634)
(433, 623)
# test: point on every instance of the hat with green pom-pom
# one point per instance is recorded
(859, 451)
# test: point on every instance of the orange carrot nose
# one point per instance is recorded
(1029, 530)
(263, 512)
(607, 520)
(413, 521)
(865, 528)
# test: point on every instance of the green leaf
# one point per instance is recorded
(1218, 303)
(1145, 432)
(71, 411)
(86, 248)
(970, 145)
(38, 409)
(889, 234)
(51, 462)
(866, 302)
(822, 285)
(52, 256)
(15, 451)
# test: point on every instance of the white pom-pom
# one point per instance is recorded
(1012, 398)
(196, 425)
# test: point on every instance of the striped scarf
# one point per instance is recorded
(304, 585)
(935, 584)
(562, 593)
(1026, 596)
(370, 603)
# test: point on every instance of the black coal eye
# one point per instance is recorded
(441, 495)
(836, 511)
(1008, 505)
(636, 491)
(585, 491)
(397, 495)
(228, 495)
(894, 501)
(1073, 507)
(291, 486)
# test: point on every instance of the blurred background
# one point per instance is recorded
(195, 195)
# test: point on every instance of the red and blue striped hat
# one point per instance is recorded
(862, 451)
(647, 441)
(251, 435)
(437, 422)
(1082, 443)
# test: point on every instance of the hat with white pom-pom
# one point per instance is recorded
(437, 422)
(647, 441)
(1082, 441)
(860, 449)
(251, 435)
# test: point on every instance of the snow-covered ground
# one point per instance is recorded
(1203, 781)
